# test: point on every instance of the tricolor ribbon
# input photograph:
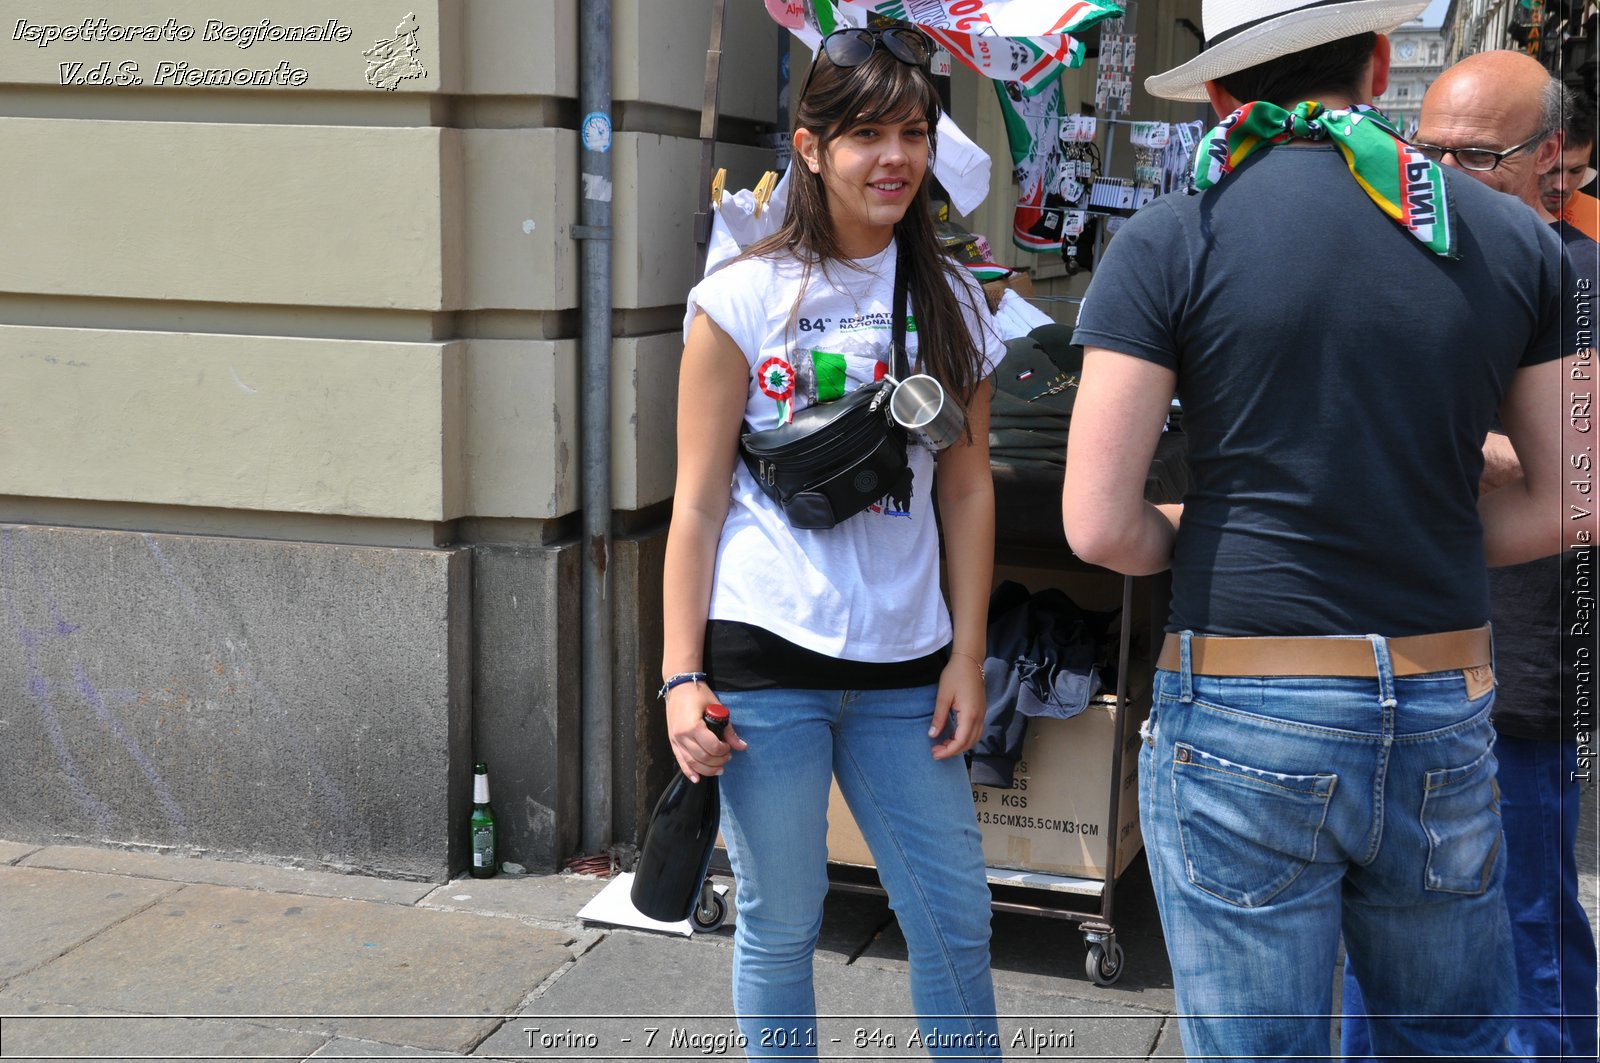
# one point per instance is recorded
(775, 378)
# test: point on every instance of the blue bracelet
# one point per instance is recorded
(678, 680)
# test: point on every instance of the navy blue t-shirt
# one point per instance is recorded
(1337, 381)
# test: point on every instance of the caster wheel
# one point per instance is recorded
(1103, 965)
(710, 913)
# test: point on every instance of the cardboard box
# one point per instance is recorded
(1053, 818)
(845, 844)
(1019, 281)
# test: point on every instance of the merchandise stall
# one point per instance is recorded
(1058, 815)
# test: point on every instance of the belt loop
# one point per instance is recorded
(1380, 653)
(1185, 667)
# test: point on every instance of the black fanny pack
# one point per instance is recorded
(834, 459)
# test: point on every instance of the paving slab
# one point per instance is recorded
(51, 1031)
(1170, 1045)
(177, 868)
(850, 920)
(651, 996)
(1047, 952)
(362, 969)
(11, 852)
(549, 899)
(44, 914)
(352, 1048)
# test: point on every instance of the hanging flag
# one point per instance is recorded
(1028, 61)
(1033, 132)
(998, 18)
(965, 30)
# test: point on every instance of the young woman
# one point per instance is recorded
(834, 650)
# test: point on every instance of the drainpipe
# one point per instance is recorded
(594, 236)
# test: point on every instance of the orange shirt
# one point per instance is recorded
(1582, 212)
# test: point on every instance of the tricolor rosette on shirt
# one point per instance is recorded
(775, 378)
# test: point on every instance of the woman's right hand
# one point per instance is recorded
(698, 751)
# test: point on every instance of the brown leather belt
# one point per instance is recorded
(1447, 651)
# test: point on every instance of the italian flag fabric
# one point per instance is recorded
(1028, 42)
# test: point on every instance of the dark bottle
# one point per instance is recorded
(679, 840)
(484, 864)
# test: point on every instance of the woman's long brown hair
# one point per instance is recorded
(838, 99)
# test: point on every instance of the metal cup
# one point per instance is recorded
(920, 406)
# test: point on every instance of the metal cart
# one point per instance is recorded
(1031, 534)
(1087, 901)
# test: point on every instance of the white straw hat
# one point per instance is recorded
(1244, 33)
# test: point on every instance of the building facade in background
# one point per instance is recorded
(1561, 34)
(1416, 56)
(289, 440)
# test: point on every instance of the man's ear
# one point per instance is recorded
(1548, 154)
(1221, 101)
(808, 147)
(1380, 68)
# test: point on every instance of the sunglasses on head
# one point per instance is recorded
(854, 46)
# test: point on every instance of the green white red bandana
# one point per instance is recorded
(1403, 182)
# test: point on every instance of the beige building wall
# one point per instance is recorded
(304, 275)
(289, 302)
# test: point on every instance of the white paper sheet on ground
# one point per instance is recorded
(1018, 317)
(613, 905)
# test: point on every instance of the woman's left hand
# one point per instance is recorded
(962, 701)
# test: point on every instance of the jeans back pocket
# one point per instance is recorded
(1247, 832)
(1461, 815)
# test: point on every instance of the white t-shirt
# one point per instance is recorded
(868, 588)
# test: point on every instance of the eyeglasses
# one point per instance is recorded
(1479, 159)
(854, 46)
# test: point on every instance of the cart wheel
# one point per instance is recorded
(710, 912)
(1103, 965)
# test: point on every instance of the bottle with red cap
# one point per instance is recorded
(672, 866)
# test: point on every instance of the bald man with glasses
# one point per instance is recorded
(1498, 116)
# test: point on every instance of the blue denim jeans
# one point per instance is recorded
(915, 814)
(1554, 946)
(1279, 813)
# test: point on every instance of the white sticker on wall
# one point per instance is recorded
(597, 131)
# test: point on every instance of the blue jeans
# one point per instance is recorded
(915, 814)
(1554, 946)
(1279, 813)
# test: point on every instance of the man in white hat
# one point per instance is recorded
(1341, 318)
(1472, 113)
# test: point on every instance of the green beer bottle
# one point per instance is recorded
(484, 864)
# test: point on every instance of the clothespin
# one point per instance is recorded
(764, 187)
(717, 182)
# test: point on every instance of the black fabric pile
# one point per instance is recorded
(1035, 384)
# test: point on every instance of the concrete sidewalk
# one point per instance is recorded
(118, 955)
(113, 955)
